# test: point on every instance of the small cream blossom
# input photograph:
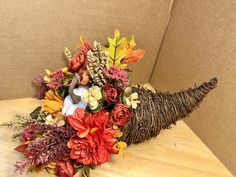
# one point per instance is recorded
(92, 97)
(49, 120)
(58, 121)
(130, 98)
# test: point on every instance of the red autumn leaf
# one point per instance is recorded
(22, 149)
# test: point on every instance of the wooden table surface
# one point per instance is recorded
(176, 152)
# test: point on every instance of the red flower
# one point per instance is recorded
(77, 62)
(65, 169)
(112, 94)
(120, 114)
(94, 141)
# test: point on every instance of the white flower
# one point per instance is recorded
(68, 106)
(131, 99)
(49, 120)
(60, 123)
(92, 97)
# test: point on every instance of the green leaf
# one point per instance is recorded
(68, 78)
(35, 113)
(86, 171)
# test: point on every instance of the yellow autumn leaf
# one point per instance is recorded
(48, 71)
(116, 50)
(64, 70)
(130, 43)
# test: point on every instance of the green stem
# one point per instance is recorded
(114, 58)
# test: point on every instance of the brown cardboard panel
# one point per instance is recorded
(201, 43)
(33, 35)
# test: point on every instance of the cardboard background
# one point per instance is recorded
(33, 35)
(201, 43)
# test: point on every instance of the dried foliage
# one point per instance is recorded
(67, 54)
(51, 147)
(98, 60)
(19, 122)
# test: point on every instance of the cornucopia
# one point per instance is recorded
(90, 110)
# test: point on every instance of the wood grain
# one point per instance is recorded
(176, 152)
(201, 43)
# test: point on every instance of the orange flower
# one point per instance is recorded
(84, 75)
(52, 102)
(95, 141)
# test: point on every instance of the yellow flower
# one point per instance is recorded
(92, 97)
(121, 146)
(119, 133)
(52, 102)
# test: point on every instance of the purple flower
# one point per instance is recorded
(32, 130)
(28, 133)
(117, 74)
(50, 147)
(25, 163)
(42, 86)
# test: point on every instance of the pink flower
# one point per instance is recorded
(117, 74)
(94, 141)
(56, 79)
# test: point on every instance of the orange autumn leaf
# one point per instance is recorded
(133, 56)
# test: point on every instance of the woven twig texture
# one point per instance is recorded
(159, 110)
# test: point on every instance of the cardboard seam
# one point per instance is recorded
(163, 38)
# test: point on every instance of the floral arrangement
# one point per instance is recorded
(90, 111)
(84, 107)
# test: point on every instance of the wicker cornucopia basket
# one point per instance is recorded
(159, 110)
